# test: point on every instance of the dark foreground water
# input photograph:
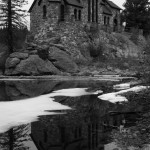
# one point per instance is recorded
(71, 115)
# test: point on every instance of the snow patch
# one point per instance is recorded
(116, 96)
(15, 113)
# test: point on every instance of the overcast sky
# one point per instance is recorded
(118, 2)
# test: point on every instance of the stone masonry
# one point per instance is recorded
(104, 13)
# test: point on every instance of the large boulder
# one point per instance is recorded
(19, 55)
(62, 60)
(12, 62)
(33, 65)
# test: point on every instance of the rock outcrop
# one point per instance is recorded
(33, 65)
(62, 60)
(41, 60)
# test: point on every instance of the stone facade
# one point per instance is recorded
(101, 12)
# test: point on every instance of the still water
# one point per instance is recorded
(71, 115)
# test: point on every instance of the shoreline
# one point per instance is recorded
(68, 78)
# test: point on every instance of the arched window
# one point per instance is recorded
(104, 20)
(115, 22)
(75, 14)
(89, 10)
(62, 12)
(93, 10)
(79, 15)
(44, 11)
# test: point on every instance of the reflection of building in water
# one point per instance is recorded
(82, 129)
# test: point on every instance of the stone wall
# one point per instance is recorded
(36, 16)
(53, 14)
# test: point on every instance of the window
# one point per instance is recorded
(104, 20)
(75, 14)
(96, 10)
(44, 11)
(79, 15)
(93, 11)
(89, 10)
(62, 12)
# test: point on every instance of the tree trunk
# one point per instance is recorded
(11, 139)
(10, 33)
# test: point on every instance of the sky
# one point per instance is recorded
(118, 2)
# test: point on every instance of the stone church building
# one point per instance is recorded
(104, 13)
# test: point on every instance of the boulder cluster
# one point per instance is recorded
(48, 57)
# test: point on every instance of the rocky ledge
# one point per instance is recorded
(38, 60)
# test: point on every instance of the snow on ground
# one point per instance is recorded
(20, 112)
(116, 96)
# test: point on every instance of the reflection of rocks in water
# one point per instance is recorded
(66, 85)
(17, 90)
(25, 89)
(3, 94)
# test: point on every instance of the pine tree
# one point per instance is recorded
(12, 16)
(136, 13)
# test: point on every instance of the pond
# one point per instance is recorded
(72, 115)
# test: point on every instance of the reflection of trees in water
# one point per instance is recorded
(137, 135)
(3, 93)
(15, 138)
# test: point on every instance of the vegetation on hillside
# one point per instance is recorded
(136, 14)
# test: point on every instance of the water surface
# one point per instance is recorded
(58, 115)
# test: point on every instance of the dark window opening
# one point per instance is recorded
(62, 12)
(89, 10)
(45, 136)
(93, 11)
(80, 131)
(75, 14)
(76, 134)
(79, 15)
(39, 3)
(115, 22)
(96, 10)
(44, 11)
(63, 137)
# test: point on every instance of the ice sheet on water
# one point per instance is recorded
(25, 111)
(16, 113)
(122, 86)
(73, 92)
(112, 97)
(116, 96)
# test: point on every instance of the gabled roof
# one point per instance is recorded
(34, 2)
(77, 3)
(106, 10)
(113, 5)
